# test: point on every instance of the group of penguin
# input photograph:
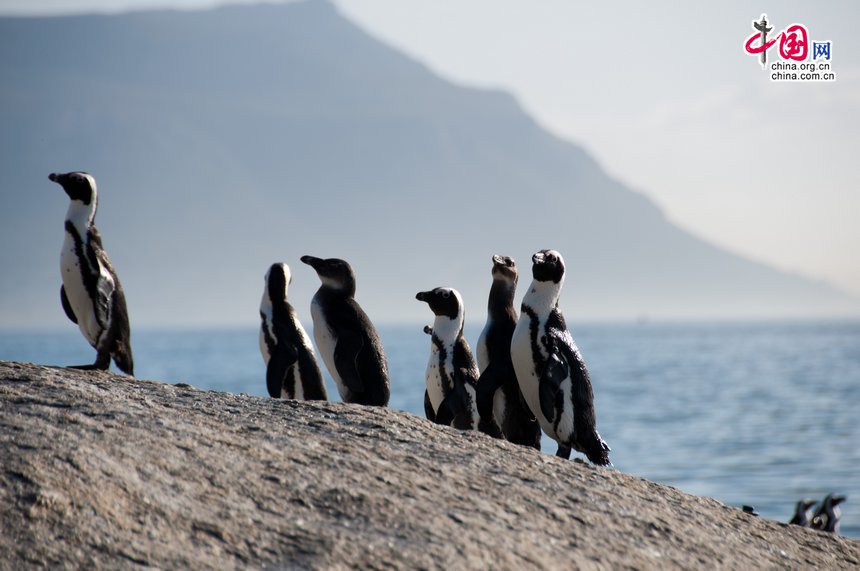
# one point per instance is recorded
(827, 517)
(529, 373)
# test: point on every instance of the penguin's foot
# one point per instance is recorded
(490, 428)
(563, 452)
(93, 367)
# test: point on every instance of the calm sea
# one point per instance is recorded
(759, 414)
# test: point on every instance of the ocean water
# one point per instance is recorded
(747, 413)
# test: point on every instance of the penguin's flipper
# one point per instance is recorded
(349, 345)
(104, 273)
(67, 307)
(428, 407)
(120, 348)
(488, 383)
(276, 371)
(452, 405)
(554, 373)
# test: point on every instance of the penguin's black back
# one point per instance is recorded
(343, 314)
(586, 439)
(464, 372)
(119, 326)
(284, 320)
(121, 336)
(464, 360)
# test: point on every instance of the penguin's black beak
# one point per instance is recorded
(497, 259)
(538, 258)
(311, 261)
(422, 295)
(838, 500)
(53, 177)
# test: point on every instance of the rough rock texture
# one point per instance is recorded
(107, 471)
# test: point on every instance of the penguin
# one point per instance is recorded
(499, 396)
(291, 364)
(828, 516)
(550, 370)
(91, 294)
(347, 341)
(801, 513)
(451, 376)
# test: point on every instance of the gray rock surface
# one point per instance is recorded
(108, 471)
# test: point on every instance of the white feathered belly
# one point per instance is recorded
(296, 368)
(76, 292)
(433, 378)
(326, 343)
(264, 348)
(529, 381)
(298, 389)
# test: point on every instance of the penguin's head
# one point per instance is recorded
(505, 269)
(548, 266)
(278, 280)
(443, 301)
(804, 505)
(334, 273)
(80, 186)
(836, 500)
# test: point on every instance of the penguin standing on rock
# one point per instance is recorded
(828, 516)
(801, 513)
(499, 395)
(345, 336)
(452, 377)
(550, 370)
(291, 365)
(91, 294)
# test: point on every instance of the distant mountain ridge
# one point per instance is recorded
(227, 139)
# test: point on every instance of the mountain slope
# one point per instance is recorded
(227, 139)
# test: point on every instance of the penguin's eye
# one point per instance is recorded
(446, 294)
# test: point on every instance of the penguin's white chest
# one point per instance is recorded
(264, 347)
(524, 364)
(438, 381)
(266, 328)
(326, 343)
(524, 359)
(296, 369)
(528, 378)
(76, 292)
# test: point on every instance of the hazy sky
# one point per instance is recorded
(664, 97)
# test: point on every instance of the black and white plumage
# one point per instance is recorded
(550, 370)
(451, 376)
(499, 395)
(801, 513)
(828, 516)
(291, 364)
(91, 294)
(347, 340)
